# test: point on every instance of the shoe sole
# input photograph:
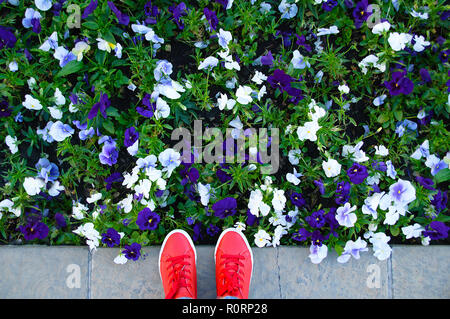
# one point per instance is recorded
(246, 243)
(191, 243)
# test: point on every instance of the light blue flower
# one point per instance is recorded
(45, 132)
(30, 14)
(391, 172)
(60, 131)
(163, 69)
(85, 134)
(43, 5)
(288, 10)
(64, 56)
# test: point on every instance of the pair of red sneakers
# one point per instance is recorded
(233, 259)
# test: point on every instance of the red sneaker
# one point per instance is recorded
(234, 264)
(177, 265)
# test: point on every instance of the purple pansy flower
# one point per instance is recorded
(131, 136)
(317, 219)
(149, 111)
(147, 219)
(178, 11)
(111, 238)
(267, 59)
(109, 154)
(115, 177)
(60, 220)
(357, 173)
(122, 17)
(89, 9)
(7, 38)
(425, 182)
(225, 207)
(132, 251)
(399, 84)
(34, 230)
(297, 199)
(301, 235)
(439, 201)
(101, 105)
(152, 13)
(436, 230)
(360, 13)
(5, 110)
(211, 17)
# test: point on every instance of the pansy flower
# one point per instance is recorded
(122, 17)
(111, 238)
(225, 207)
(32, 20)
(132, 251)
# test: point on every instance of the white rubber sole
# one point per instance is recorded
(180, 231)
(245, 240)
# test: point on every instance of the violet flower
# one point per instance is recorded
(426, 182)
(436, 230)
(7, 38)
(147, 219)
(360, 13)
(152, 13)
(317, 219)
(111, 238)
(399, 84)
(109, 154)
(267, 59)
(439, 201)
(301, 235)
(131, 136)
(329, 5)
(115, 177)
(5, 110)
(357, 173)
(102, 105)
(211, 17)
(297, 199)
(149, 111)
(122, 17)
(225, 207)
(60, 220)
(34, 230)
(89, 9)
(132, 251)
(178, 11)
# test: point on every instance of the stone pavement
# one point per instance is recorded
(282, 272)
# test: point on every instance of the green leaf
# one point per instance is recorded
(109, 126)
(69, 68)
(443, 218)
(91, 25)
(442, 176)
(394, 231)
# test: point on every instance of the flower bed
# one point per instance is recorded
(317, 123)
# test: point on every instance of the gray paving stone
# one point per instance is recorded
(134, 280)
(299, 278)
(32, 272)
(421, 272)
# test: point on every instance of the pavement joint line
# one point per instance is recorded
(89, 274)
(390, 276)
(279, 272)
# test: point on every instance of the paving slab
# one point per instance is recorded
(363, 278)
(421, 272)
(141, 279)
(30, 272)
(134, 280)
